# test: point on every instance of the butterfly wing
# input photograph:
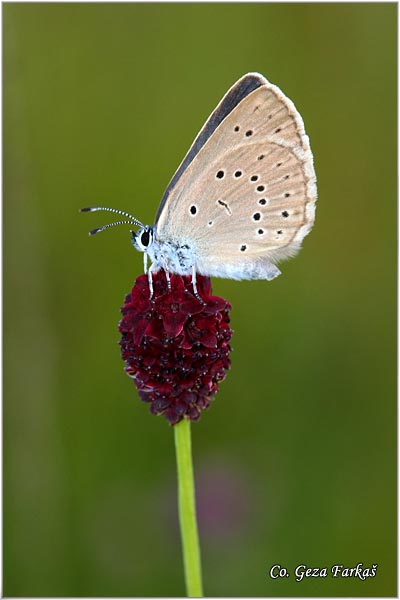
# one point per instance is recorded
(244, 196)
(237, 92)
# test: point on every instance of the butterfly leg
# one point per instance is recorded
(194, 284)
(167, 277)
(150, 280)
(145, 262)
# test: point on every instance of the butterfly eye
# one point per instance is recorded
(145, 238)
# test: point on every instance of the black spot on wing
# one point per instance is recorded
(225, 205)
(240, 90)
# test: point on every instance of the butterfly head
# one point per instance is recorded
(143, 239)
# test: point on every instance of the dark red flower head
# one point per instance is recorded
(175, 346)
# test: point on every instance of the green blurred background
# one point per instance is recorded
(296, 460)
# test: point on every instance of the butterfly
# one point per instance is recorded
(243, 197)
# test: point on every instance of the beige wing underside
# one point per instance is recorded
(247, 199)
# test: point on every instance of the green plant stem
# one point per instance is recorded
(187, 510)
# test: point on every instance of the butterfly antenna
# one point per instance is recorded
(98, 229)
(132, 220)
